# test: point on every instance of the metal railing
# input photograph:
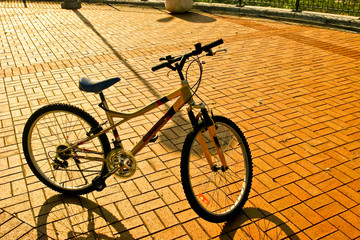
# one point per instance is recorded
(348, 7)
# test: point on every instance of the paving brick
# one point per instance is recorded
(125, 208)
(175, 232)
(336, 235)
(310, 214)
(331, 209)
(138, 232)
(143, 185)
(267, 181)
(319, 201)
(320, 230)
(319, 177)
(9, 225)
(130, 189)
(286, 156)
(275, 194)
(355, 185)
(349, 192)
(179, 206)
(301, 222)
(351, 217)
(194, 230)
(168, 195)
(278, 172)
(285, 202)
(152, 222)
(260, 202)
(32, 234)
(151, 205)
(299, 169)
(287, 179)
(345, 227)
(329, 184)
(298, 191)
(166, 217)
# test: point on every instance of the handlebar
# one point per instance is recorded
(198, 50)
(209, 46)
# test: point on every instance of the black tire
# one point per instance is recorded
(56, 126)
(217, 195)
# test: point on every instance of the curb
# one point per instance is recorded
(324, 19)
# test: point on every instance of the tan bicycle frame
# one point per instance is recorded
(184, 96)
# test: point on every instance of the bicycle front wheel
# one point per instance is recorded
(54, 128)
(215, 193)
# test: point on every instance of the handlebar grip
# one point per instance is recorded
(213, 44)
(157, 67)
(166, 64)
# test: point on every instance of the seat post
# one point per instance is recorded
(103, 101)
(104, 105)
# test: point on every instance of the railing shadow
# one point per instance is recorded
(257, 223)
(116, 53)
(63, 217)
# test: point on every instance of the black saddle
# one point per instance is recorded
(88, 85)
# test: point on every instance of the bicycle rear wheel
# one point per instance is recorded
(54, 128)
(216, 194)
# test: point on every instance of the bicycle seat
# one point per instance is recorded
(88, 85)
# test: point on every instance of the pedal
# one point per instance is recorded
(99, 183)
(154, 138)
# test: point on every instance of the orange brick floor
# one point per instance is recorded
(294, 90)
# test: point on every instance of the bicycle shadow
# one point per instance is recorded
(63, 217)
(255, 223)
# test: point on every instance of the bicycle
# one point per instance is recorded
(68, 150)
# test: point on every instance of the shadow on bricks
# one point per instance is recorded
(189, 17)
(116, 53)
(63, 217)
(254, 223)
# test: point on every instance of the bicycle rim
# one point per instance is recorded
(57, 129)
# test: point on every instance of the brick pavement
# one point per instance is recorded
(294, 90)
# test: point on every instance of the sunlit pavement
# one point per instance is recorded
(294, 90)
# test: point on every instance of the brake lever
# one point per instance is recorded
(210, 53)
(167, 58)
(220, 50)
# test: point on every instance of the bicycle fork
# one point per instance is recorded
(210, 126)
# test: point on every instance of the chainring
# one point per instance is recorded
(124, 161)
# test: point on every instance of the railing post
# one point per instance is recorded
(240, 4)
(297, 6)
